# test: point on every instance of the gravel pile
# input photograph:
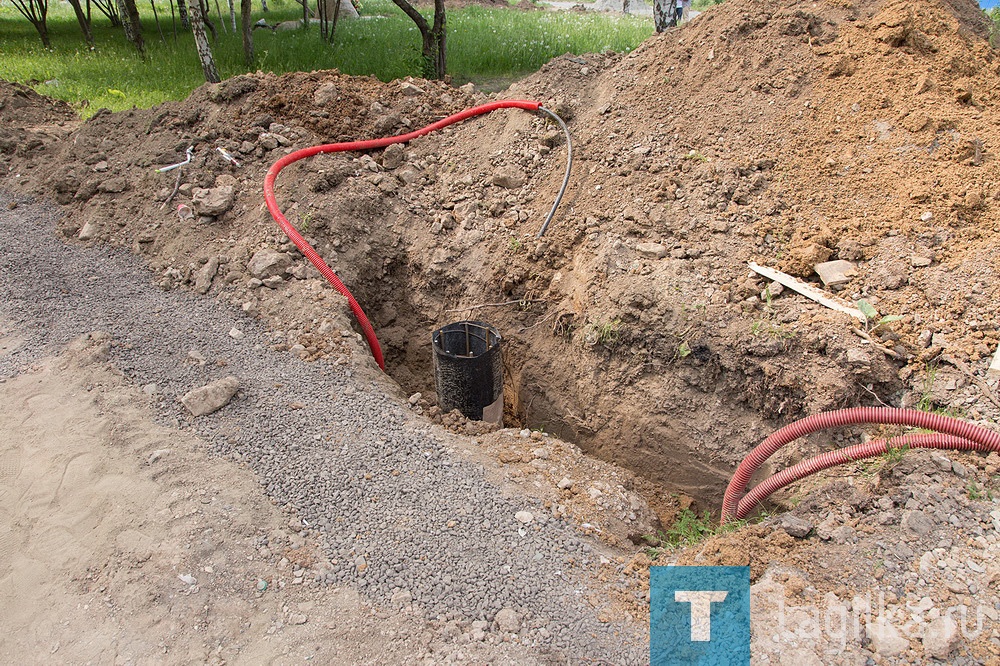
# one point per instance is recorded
(403, 518)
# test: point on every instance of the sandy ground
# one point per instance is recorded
(106, 519)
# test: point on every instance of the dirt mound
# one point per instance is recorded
(785, 133)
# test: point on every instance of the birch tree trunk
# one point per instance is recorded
(130, 22)
(201, 42)
(663, 11)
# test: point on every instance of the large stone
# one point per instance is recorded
(795, 526)
(211, 397)
(268, 263)
(325, 94)
(213, 201)
(917, 521)
(940, 637)
(203, 278)
(510, 177)
(393, 156)
(836, 273)
(508, 621)
(651, 250)
(886, 639)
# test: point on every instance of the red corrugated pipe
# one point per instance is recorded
(370, 144)
(952, 434)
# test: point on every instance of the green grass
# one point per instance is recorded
(485, 45)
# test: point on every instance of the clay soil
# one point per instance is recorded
(784, 133)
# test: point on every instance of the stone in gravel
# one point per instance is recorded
(410, 90)
(298, 618)
(88, 231)
(565, 483)
(267, 263)
(188, 579)
(113, 185)
(796, 527)
(510, 177)
(393, 156)
(235, 333)
(835, 273)
(959, 470)
(940, 637)
(942, 461)
(415, 398)
(886, 639)
(508, 621)
(360, 563)
(401, 598)
(211, 397)
(918, 522)
(920, 262)
(203, 278)
(157, 456)
(325, 94)
(524, 517)
(213, 201)
(651, 250)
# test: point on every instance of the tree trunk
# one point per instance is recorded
(130, 21)
(36, 11)
(232, 15)
(206, 18)
(246, 18)
(263, 6)
(173, 19)
(201, 42)
(663, 13)
(81, 18)
(222, 21)
(433, 51)
(156, 17)
(305, 14)
(336, 17)
(321, 10)
(182, 12)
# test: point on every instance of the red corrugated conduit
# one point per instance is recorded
(371, 144)
(949, 433)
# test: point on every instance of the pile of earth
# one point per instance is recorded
(786, 133)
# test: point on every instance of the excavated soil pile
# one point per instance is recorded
(786, 133)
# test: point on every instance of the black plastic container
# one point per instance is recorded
(468, 370)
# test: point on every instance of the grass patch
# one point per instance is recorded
(484, 45)
(690, 529)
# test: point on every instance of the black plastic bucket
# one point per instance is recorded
(468, 370)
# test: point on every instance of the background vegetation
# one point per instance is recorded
(490, 46)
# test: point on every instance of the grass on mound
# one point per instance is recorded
(484, 45)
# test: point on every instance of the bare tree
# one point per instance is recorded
(109, 9)
(37, 12)
(83, 20)
(201, 42)
(156, 17)
(133, 27)
(433, 50)
(246, 17)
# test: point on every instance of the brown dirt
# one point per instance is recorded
(784, 133)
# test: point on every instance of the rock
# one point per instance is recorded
(203, 278)
(926, 216)
(835, 273)
(188, 579)
(410, 90)
(268, 141)
(325, 94)
(795, 526)
(940, 637)
(235, 333)
(920, 262)
(393, 156)
(273, 282)
(88, 231)
(360, 563)
(101, 166)
(415, 398)
(156, 456)
(213, 201)
(508, 621)
(857, 358)
(772, 291)
(524, 517)
(510, 177)
(917, 521)
(113, 185)
(401, 598)
(268, 263)
(886, 639)
(298, 618)
(651, 250)
(408, 174)
(565, 483)
(211, 397)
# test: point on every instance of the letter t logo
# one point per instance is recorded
(701, 610)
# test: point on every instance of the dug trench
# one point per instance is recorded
(633, 328)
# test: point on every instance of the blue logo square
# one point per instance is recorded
(699, 616)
